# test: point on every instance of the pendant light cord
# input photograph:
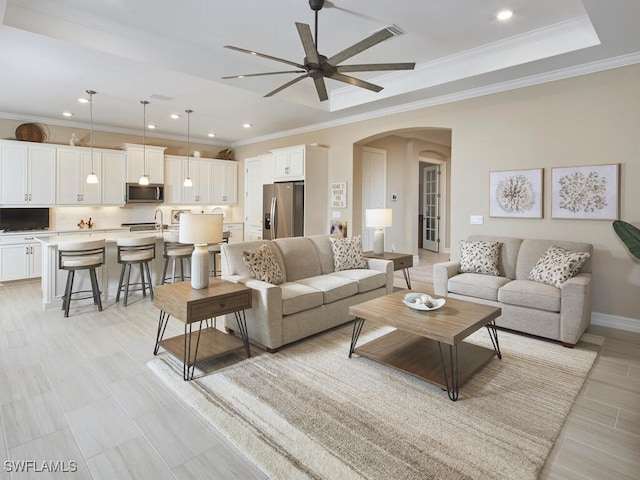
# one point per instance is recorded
(91, 94)
(144, 134)
(189, 112)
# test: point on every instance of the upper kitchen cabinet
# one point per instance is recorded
(289, 163)
(225, 182)
(73, 166)
(27, 173)
(177, 168)
(114, 172)
(173, 180)
(138, 165)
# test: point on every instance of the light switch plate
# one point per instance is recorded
(476, 220)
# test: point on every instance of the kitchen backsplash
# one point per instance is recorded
(67, 218)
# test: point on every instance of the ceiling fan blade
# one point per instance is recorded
(356, 81)
(288, 84)
(375, 67)
(309, 46)
(263, 55)
(321, 88)
(362, 45)
(262, 74)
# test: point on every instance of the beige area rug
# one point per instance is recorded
(309, 411)
(418, 273)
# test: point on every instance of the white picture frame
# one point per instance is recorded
(339, 195)
(516, 193)
(586, 192)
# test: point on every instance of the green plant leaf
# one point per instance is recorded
(630, 236)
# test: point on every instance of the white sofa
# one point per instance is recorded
(527, 306)
(313, 298)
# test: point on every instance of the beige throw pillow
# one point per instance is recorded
(347, 253)
(479, 256)
(557, 266)
(262, 265)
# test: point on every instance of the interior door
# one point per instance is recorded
(374, 169)
(431, 208)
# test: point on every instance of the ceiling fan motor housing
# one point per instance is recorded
(316, 4)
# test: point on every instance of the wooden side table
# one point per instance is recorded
(401, 261)
(190, 305)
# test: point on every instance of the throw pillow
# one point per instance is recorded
(347, 253)
(479, 256)
(262, 265)
(557, 266)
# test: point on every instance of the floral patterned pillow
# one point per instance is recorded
(262, 265)
(347, 253)
(479, 257)
(558, 265)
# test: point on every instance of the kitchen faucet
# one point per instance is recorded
(155, 214)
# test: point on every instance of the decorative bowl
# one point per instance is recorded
(420, 301)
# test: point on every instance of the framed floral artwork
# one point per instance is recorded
(516, 193)
(589, 192)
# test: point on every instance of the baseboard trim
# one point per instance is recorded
(615, 321)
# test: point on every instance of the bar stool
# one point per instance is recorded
(214, 251)
(132, 251)
(80, 255)
(173, 252)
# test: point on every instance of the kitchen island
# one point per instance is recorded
(53, 279)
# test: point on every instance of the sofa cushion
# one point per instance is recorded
(526, 293)
(297, 298)
(333, 287)
(557, 266)
(477, 285)
(509, 248)
(262, 265)
(324, 250)
(367, 280)
(299, 257)
(347, 253)
(479, 257)
(532, 250)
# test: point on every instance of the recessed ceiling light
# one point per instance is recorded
(83, 100)
(211, 135)
(504, 15)
(151, 126)
(246, 125)
(175, 116)
(67, 114)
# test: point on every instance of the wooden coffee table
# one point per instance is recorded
(416, 346)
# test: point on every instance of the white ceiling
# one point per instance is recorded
(130, 50)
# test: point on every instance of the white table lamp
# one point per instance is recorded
(379, 219)
(200, 230)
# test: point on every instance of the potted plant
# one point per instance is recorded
(630, 236)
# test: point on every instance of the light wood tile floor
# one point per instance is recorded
(78, 390)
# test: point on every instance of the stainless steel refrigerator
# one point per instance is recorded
(283, 210)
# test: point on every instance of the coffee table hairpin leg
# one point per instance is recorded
(493, 334)
(357, 328)
(452, 389)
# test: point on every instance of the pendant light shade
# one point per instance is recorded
(144, 179)
(187, 181)
(92, 177)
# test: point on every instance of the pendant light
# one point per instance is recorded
(92, 177)
(187, 181)
(144, 179)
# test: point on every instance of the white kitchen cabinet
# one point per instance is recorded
(253, 196)
(225, 182)
(173, 180)
(20, 258)
(27, 173)
(236, 230)
(114, 177)
(200, 171)
(138, 165)
(289, 163)
(73, 166)
(268, 169)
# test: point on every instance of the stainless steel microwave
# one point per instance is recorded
(152, 193)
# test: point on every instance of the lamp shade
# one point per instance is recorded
(200, 228)
(378, 218)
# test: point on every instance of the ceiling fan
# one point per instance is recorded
(318, 67)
